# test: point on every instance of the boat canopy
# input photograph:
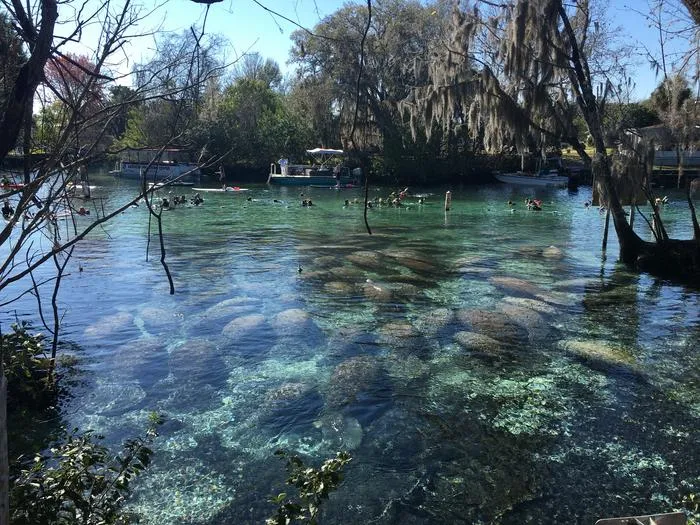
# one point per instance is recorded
(323, 151)
(323, 156)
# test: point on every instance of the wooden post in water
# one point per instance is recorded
(607, 226)
(448, 200)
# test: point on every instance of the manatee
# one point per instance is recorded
(349, 273)
(558, 298)
(290, 320)
(477, 342)
(111, 325)
(532, 321)
(376, 292)
(324, 261)
(350, 378)
(513, 284)
(154, 317)
(139, 354)
(198, 359)
(417, 264)
(597, 350)
(230, 308)
(367, 259)
(339, 288)
(533, 304)
(345, 432)
(287, 391)
(433, 320)
(552, 252)
(495, 325)
(243, 325)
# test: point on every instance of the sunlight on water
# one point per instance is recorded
(481, 365)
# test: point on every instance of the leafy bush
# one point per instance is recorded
(79, 481)
(313, 487)
(27, 368)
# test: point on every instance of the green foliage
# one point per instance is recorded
(691, 506)
(27, 368)
(312, 485)
(619, 117)
(79, 481)
(49, 124)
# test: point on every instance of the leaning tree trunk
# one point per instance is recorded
(675, 259)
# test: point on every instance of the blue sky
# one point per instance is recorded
(249, 27)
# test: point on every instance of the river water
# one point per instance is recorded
(482, 365)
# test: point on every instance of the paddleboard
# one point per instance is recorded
(229, 189)
(168, 184)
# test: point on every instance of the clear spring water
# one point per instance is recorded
(481, 365)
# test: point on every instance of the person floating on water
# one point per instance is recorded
(534, 204)
(7, 210)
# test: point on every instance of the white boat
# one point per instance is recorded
(227, 189)
(541, 178)
(326, 171)
(156, 165)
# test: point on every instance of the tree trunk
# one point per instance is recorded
(4, 460)
(31, 73)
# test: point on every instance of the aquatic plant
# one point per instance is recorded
(313, 488)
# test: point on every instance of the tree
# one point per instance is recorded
(678, 111)
(121, 97)
(253, 67)
(32, 238)
(544, 63)
(400, 33)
